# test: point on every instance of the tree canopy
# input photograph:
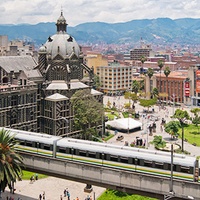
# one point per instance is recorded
(135, 86)
(148, 102)
(167, 71)
(182, 116)
(172, 128)
(154, 92)
(88, 113)
(10, 161)
(160, 64)
(150, 72)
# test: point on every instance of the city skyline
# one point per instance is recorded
(81, 11)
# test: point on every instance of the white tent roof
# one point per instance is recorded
(124, 124)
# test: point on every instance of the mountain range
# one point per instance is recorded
(157, 31)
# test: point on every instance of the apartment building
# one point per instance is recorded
(94, 60)
(115, 78)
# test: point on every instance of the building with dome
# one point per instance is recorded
(58, 74)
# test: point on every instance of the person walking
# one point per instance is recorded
(43, 196)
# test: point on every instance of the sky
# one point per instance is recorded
(81, 11)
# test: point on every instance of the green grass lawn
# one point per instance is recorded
(112, 115)
(27, 175)
(116, 195)
(191, 134)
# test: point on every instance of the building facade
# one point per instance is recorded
(115, 78)
(36, 95)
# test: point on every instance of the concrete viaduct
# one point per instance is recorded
(113, 178)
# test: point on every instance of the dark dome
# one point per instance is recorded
(63, 44)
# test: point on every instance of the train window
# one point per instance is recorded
(147, 163)
(167, 166)
(113, 158)
(123, 160)
(184, 169)
(159, 165)
(62, 150)
(46, 147)
(92, 154)
(82, 153)
(29, 144)
(135, 161)
(22, 143)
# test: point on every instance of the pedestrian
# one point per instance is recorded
(40, 197)
(65, 192)
(68, 195)
(61, 198)
(161, 128)
(31, 179)
(36, 177)
(43, 196)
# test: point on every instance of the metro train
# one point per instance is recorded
(110, 155)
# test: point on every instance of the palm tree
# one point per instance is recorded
(167, 72)
(142, 59)
(135, 86)
(155, 92)
(160, 65)
(182, 116)
(10, 161)
(150, 73)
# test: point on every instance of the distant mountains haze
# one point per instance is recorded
(157, 31)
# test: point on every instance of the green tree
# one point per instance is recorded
(154, 92)
(97, 82)
(196, 119)
(167, 72)
(10, 161)
(172, 128)
(160, 65)
(150, 73)
(88, 113)
(135, 86)
(142, 85)
(182, 116)
(142, 59)
(148, 102)
(158, 142)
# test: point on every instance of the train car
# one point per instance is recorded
(104, 153)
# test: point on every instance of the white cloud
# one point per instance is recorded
(80, 11)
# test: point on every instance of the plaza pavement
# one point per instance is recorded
(162, 113)
(54, 187)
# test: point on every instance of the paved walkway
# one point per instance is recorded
(53, 188)
(161, 113)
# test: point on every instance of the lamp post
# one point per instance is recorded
(171, 192)
(172, 155)
(160, 65)
(128, 131)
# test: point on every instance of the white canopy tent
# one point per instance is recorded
(125, 124)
